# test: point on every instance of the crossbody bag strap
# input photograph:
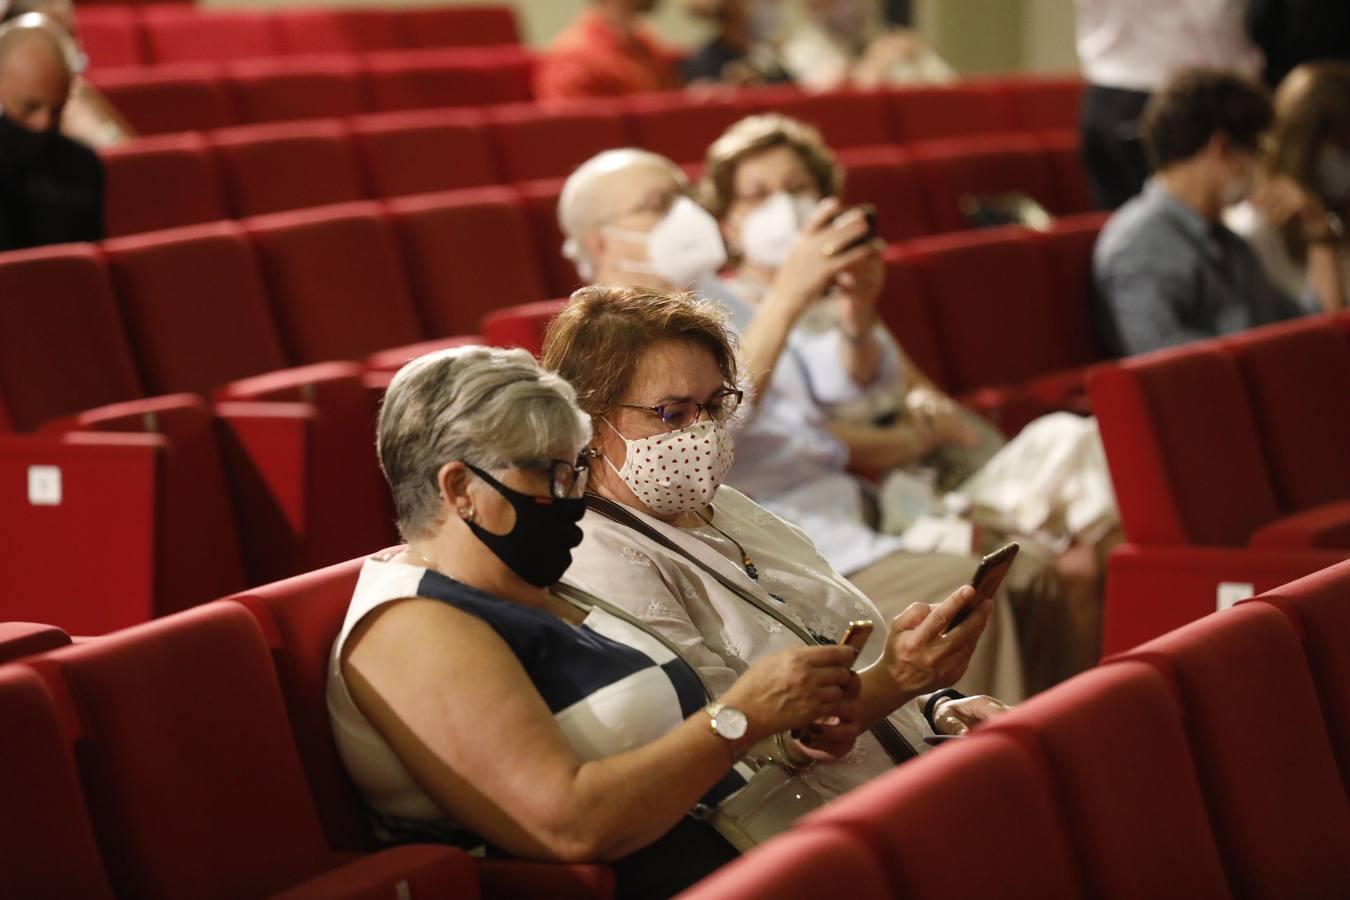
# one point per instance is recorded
(890, 738)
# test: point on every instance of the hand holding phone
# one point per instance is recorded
(856, 634)
(987, 579)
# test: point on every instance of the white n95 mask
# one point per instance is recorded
(682, 248)
(677, 471)
(769, 231)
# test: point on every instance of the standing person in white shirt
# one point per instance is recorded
(1128, 49)
(1295, 219)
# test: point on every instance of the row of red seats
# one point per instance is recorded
(1211, 762)
(259, 169)
(278, 476)
(136, 36)
(1229, 462)
(192, 757)
(201, 96)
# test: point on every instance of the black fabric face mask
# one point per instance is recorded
(538, 548)
(18, 145)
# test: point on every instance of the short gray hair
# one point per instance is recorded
(487, 407)
(578, 204)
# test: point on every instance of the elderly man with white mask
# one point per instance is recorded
(629, 219)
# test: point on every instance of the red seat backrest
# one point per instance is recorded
(675, 126)
(550, 140)
(187, 758)
(1045, 104)
(62, 347)
(333, 30)
(301, 618)
(1276, 804)
(992, 302)
(1073, 191)
(1067, 245)
(1319, 607)
(919, 812)
(282, 90)
(887, 179)
(952, 170)
(467, 253)
(1296, 374)
(191, 333)
(161, 182)
(429, 79)
(924, 113)
(461, 26)
(165, 99)
(185, 34)
(521, 326)
(1183, 448)
(270, 168)
(1112, 742)
(904, 308)
(197, 554)
(804, 862)
(540, 201)
(422, 151)
(111, 36)
(845, 118)
(336, 282)
(45, 836)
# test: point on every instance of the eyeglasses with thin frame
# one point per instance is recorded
(683, 413)
(566, 480)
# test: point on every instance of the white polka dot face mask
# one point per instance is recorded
(678, 471)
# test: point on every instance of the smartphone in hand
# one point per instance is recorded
(988, 576)
(870, 213)
(856, 634)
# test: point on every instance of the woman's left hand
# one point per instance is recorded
(832, 738)
(959, 716)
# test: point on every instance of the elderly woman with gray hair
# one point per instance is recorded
(474, 700)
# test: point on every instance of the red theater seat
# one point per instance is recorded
(540, 200)
(467, 253)
(187, 710)
(45, 836)
(161, 182)
(805, 862)
(845, 118)
(422, 151)
(111, 36)
(887, 179)
(336, 282)
(19, 639)
(62, 348)
(904, 309)
(924, 113)
(270, 168)
(1277, 806)
(434, 78)
(461, 26)
(189, 332)
(550, 140)
(281, 90)
(521, 326)
(1113, 742)
(1295, 375)
(186, 34)
(1065, 156)
(983, 793)
(978, 168)
(334, 30)
(164, 99)
(1045, 104)
(1319, 607)
(672, 124)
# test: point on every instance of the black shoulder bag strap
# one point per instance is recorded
(890, 738)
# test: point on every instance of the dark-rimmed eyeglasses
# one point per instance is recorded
(683, 413)
(565, 479)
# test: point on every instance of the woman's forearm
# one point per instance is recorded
(764, 340)
(878, 448)
(880, 695)
(861, 356)
(1325, 276)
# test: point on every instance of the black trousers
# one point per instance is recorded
(1113, 147)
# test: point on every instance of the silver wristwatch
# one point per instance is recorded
(730, 724)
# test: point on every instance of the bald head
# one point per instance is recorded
(35, 72)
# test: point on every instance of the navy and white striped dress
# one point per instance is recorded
(610, 686)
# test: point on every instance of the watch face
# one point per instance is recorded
(731, 723)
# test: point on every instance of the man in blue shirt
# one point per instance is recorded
(1166, 269)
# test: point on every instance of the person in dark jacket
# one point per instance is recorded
(51, 187)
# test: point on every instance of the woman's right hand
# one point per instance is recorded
(818, 257)
(794, 688)
(919, 657)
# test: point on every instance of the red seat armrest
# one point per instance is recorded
(1326, 527)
